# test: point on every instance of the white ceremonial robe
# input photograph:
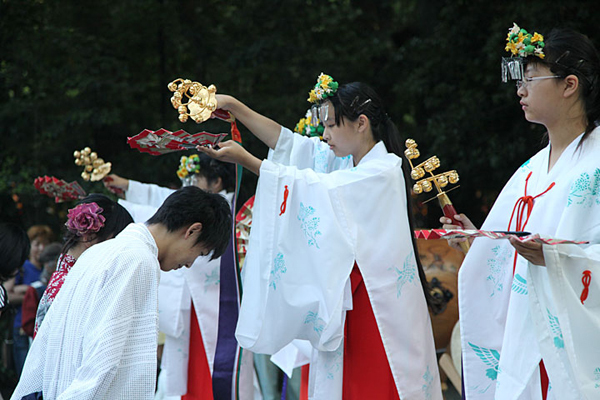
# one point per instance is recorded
(177, 291)
(99, 338)
(508, 324)
(301, 253)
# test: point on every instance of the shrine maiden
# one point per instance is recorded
(530, 323)
(331, 257)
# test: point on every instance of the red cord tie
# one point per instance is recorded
(586, 280)
(235, 132)
(524, 205)
(283, 205)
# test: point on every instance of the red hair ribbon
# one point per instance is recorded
(586, 280)
(286, 192)
(524, 205)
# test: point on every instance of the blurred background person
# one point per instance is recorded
(39, 236)
(48, 259)
(14, 249)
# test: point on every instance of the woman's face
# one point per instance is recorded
(540, 99)
(36, 249)
(340, 138)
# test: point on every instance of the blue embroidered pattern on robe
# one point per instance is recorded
(334, 365)
(318, 324)
(407, 274)
(526, 165)
(497, 267)
(309, 225)
(427, 385)
(597, 378)
(559, 342)
(585, 190)
(212, 279)
(520, 285)
(278, 269)
(489, 357)
(321, 159)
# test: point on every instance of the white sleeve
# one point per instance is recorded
(303, 152)
(147, 194)
(139, 212)
(575, 325)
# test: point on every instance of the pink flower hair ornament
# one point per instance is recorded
(85, 218)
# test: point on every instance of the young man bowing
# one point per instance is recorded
(98, 340)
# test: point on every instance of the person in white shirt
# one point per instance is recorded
(198, 307)
(99, 338)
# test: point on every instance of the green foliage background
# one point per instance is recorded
(91, 73)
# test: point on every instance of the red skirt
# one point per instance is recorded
(367, 373)
(199, 377)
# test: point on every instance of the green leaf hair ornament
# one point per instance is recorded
(520, 44)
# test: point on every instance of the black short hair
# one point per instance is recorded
(116, 219)
(191, 204)
(14, 249)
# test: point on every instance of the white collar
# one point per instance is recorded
(140, 230)
(377, 151)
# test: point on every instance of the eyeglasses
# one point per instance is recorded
(523, 83)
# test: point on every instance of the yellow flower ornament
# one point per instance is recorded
(324, 88)
(522, 43)
(307, 127)
(188, 165)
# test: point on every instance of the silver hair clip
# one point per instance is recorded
(360, 107)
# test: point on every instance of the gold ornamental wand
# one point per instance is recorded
(194, 100)
(426, 184)
(201, 100)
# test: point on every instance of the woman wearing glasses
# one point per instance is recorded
(530, 313)
(331, 259)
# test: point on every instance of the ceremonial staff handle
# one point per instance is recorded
(439, 181)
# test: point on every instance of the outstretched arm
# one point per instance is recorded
(233, 152)
(114, 181)
(262, 127)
